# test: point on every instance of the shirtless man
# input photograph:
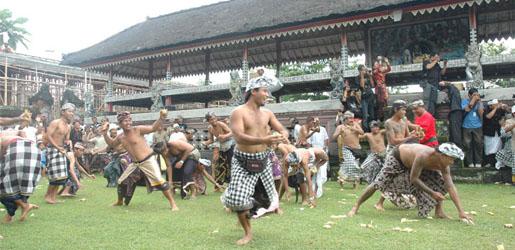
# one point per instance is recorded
(397, 132)
(223, 146)
(374, 161)
(183, 158)
(142, 155)
(350, 131)
(306, 162)
(421, 171)
(306, 131)
(58, 137)
(250, 168)
(19, 173)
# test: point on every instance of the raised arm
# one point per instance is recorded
(110, 141)
(149, 129)
(337, 132)
(6, 121)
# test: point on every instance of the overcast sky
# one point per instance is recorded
(66, 26)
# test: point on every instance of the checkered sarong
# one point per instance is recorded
(349, 167)
(239, 194)
(21, 169)
(506, 155)
(56, 165)
(394, 182)
(371, 166)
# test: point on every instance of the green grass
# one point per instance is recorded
(148, 223)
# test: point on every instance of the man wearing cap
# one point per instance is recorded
(20, 171)
(506, 156)
(142, 155)
(374, 161)
(350, 131)
(472, 129)
(427, 123)
(421, 171)
(494, 113)
(220, 137)
(57, 136)
(251, 170)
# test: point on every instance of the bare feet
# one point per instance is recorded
(441, 215)
(50, 201)
(174, 208)
(227, 210)
(379, 207)
(117, 203)
(305, 203)
(352, 212)
(67, 195)
(26, 209)
(7, 219)
(279, 211)
(243, 241)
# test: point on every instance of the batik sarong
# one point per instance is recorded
(276, 165)
(57, 168)
(240, 194)
(21, 169)
(349, 167)
(394, 182)
(223, 166)
(371, 166)
(113, 171)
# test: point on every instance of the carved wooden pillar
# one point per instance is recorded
(473, 24)
(344, 56)
(109, 90)
(150, 72)
(169, 68)
(279, 59)
(207, 66)
(245, 65)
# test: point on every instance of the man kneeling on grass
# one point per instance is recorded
(421, 171)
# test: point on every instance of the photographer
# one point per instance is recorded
(472, 129)
(433, 73)
(494, 113)
(366, 83)
(381, 68)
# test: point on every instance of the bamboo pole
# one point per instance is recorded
(5, 82)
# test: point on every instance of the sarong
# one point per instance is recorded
(394, 182)
(371, 166)
(492, 144)
(276, 165)
(200, 182)
(240, 195)
(223, 166)
(21, 169)
(57, 170)
(71, 183)
(149, 167)
(184, 175)
(127, 187)
(113, 171)
(349, 167)
(506, 156)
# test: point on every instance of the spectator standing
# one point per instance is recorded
(472, 128)
(433, 73)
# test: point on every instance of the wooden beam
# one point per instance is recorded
(278, 57)
(150, 72)
(207, 65)
(5, 82)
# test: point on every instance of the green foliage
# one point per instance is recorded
(89, 222)
(493, 49)
(17, 34)
(298, 69)
(304, 96)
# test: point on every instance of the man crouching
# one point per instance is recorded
(421, 171)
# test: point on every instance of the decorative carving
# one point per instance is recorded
(155, 90)
(235, 89)
(88, 100)
(336, 73)
(42, 102)
(474, 70)
(70, 97)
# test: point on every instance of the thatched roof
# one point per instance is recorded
(224, 20)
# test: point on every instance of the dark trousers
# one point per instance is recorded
(367, 110)
(184, 174)
(455, 122)
(473, 145)
(430, 98)
(10, 203)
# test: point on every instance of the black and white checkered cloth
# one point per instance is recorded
(349, 167)
(239, 194)
(56, 165)
(21, 169)
(371, 166)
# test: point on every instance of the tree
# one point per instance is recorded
(17, 34)
(493, 49)
(298, 69)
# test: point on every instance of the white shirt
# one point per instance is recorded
(30, 132)
(317, 140)
(178, 136)
(296, 131)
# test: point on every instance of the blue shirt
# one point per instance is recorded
(472, 119)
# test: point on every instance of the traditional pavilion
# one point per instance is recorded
(243, 34)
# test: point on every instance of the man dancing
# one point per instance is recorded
(223, 148)
(142, 155)
(250, 166)
(57, 136)
(420, 171)
(20, 170)
(374, 161)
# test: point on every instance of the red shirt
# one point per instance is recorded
(428, 124)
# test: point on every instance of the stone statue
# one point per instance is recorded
(474, 70)
(336, 73)
(156, 97)
(42, 102)
(235, 89)
(88, 99)
(70, 97)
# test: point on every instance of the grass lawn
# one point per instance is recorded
(89, 222)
